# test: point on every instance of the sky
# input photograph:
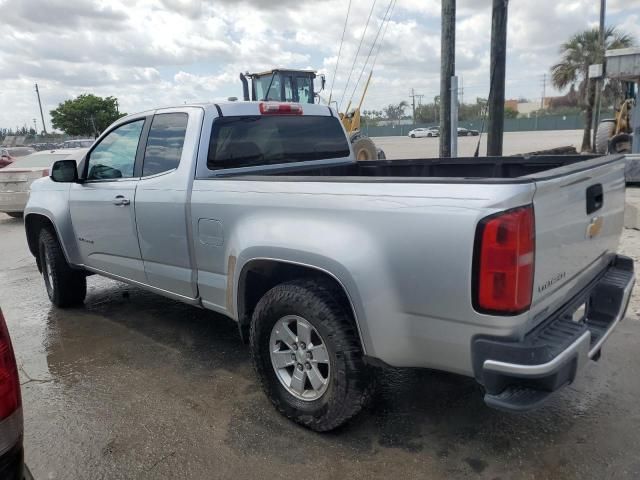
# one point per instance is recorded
(152, 53)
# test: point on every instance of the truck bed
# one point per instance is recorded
(517, 169)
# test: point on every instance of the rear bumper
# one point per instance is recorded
(13, 201)
(520, 375)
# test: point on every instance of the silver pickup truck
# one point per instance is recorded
(503, 269)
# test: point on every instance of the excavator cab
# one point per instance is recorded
(281, 86)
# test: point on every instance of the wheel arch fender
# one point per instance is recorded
(36, 219)
(279, 266)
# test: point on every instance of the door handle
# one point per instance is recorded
(595, 198)
(121, 201)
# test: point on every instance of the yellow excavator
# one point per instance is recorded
(616, 135)
(290, 85)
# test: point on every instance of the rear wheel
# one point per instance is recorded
(603, 134)
(364, 149)
(65, 286)
(307, 354)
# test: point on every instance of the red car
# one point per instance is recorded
(12, 465)
(10, 154)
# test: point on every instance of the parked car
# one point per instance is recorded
(16, 179)
(81, 143)
(503, 269)
(12, 466)
(466, 132)
(424, 132)
(10, 154)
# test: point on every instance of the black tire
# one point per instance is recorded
(15, 214)
(429, 135)
(364, 148)
(348, 388)
(65, 286)
(413, 136)
(603, 135)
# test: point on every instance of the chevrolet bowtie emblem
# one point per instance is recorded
(595, 227)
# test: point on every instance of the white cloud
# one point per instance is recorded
(159, 52)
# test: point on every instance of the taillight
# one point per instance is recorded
(277, 108)
(503, 262)
(10, 399)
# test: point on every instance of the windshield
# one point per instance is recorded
(262, 84)
(273, 139)
(40, 160)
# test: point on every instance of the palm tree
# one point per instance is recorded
(580, 51)
(395, 112)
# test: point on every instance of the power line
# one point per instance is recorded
(353, 66)
(375, 40)
(335, 71)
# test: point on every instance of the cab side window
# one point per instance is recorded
(115, 155)
(165, 143)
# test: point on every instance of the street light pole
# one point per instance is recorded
(44, 127)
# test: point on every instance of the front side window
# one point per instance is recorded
(165, 142)
(268, 87)
(257, 140)
(115, 155)
(304, 89)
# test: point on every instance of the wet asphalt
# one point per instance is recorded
(134, 385)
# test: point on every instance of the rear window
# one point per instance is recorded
(274, 139)
(40, 160)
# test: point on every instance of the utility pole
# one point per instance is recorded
(413, 96)
(495, 126)
(544, 90)
(413, 106)
(599, 81)
(44, 127)
(447, 70)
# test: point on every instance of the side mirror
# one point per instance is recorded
(64, 171)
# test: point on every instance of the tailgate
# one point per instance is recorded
(579, 216)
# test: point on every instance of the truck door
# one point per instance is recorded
(102, 207)
(162, 200)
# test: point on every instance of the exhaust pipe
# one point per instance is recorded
(245, 87)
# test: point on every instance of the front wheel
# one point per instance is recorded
(413, 136)
(65, 286)
(364, 148)
(307, 354)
